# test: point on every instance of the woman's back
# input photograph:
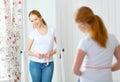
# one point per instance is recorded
(95, 53)
(98, 60)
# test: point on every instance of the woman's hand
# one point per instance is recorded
(48, 55)
(38, 55)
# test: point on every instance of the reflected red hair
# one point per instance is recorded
(37, 13)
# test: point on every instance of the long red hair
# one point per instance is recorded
(97, 28)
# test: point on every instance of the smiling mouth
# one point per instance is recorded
(35, 24)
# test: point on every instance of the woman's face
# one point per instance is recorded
(83, 26)
(35, 20)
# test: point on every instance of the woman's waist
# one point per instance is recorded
(97, 67)
(41, 51)
(41, 60)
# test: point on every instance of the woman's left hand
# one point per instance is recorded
(48, 55)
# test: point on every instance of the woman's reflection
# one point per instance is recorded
(40, 48)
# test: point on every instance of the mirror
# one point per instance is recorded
(48, 11)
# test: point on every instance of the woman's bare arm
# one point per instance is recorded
(116, 66)
(30, 42)
(78, 62)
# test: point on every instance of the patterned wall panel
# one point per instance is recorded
(10, 37)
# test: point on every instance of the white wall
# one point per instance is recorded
(65, 27)
(69, 34)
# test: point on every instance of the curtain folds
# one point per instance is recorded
(10, 39)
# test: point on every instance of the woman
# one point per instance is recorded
(93, 62)
(40, 48)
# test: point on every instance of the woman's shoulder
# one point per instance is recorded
(86, 38)
(51, 29)
(113, 39)
(111, 36)
(32, 31)
(31, 34)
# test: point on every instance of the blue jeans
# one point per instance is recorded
(40, 72)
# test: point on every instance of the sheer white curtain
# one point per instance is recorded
(10, 37)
